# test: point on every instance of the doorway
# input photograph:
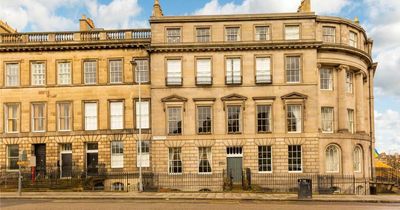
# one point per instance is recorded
(92, 159)
(40, 154)
(235, 164)
(66, 160)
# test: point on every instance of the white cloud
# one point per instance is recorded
(387, 126)
(116, 14)
(269, 6)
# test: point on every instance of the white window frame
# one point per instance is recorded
(269, 117)
(38, 73)
(233, 71)
(9, 157)
(116, 71)
(349, 82)
(231, 32)
(142, 109)
(16, 118)
(239, 119)
(329, 34)
(268, 153)
(358, 159)
(208, 152)
(117, 154)
(332, 159)
(327, 119)
(145, 155)
(203, 71)
(292, 71)
(298, 121)
(263, 70)
(174, 71)
(261, 31)
(12, 72)
(296, 165)
(350, 120)
(116, 119)
(142, 71)
(326, 79)
(353, 39)
(174, 35)
(178, 118)
(38, 118)
(172, 161)
(64, 73)
(90, 72)
(291, 33)
(200, 119)
(67, 118)
(91, 116)
(203, 34)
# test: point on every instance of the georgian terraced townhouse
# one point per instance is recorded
(271, 94)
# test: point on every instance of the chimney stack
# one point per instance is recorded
(157, 11)
(86, 24)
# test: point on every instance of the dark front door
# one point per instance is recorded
(40, 153)
(66, 165)
(92, 164)
(235, 169)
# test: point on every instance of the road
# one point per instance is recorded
(184, 205)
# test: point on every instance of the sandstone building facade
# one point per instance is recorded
(287, 93)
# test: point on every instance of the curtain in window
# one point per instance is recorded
(174, 72)
(263, 70)
(332, 158)
(204, 71)
(143, 110)
(117, 109)
(90, 116)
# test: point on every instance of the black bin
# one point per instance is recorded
(305, 189)
(372, 190)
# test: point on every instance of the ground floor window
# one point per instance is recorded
(12, 157)
(264, 158)
(294, 158)
(117, 186)
(175, 160)
(332, 158)
(205, 160)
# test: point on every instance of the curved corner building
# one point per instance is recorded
(257, 100)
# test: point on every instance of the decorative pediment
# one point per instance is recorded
(294, 95)
(234, 97)
(174, 98)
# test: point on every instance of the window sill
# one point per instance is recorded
(179, 134)
(204, 134)
(295, 172)
(205, 173)
(264, 132)
(265, 172)
(175, 174)
(238, 133)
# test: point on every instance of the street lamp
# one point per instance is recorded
(133, 62)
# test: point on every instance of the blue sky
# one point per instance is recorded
(381, 19)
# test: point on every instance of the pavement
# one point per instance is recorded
(221, 196)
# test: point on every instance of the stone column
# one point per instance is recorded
(359, 88)
(342, 108)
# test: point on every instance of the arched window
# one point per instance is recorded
(117, 186)
(357, 159)
(332, 157)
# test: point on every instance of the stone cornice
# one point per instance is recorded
(242, 46)
(242, 17)
(347, 49)
(73, 46)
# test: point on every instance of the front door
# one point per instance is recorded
(92, 159)
(235, 169)
(66, 165)
(235, 164)
(40, 153)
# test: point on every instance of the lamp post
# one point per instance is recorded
(133, 62)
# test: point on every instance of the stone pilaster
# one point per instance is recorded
(342, 108)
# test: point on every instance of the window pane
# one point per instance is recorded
(329, 34)
(264, 158)
(174, 72)
(233, 71)
(294, 118)
(262, 33)
(350, 118)
(117, 154)
(91, 116)
(90, 71)
(204, 159)
(293, 68)
(174, 120)
(263, 70)
(116, 71)
(38, 117)
(64, 117)
(117, 115)
(64, 73)
(292, 32)
(234, 119)
(327, 119)
(175, 161)
(203, 34)
(332, 157)
(38, 73)
(204, 121)
(349, 82)
(174, 35)
(264, 118)
(294, 158)
(12, 118)
(203, 71)
(142, 71)
(143, 112)
(13, 157)
(232, 34)
(326, 79)
(12, 74)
